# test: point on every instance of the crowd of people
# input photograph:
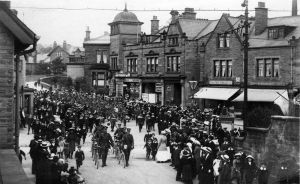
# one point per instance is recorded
(193, 140)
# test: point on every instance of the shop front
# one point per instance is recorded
(129, 88)
(152, 90)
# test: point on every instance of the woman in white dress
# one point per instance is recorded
(163, 154)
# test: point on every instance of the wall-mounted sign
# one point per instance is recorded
(132, 80)
(214, 82)
(158, 87)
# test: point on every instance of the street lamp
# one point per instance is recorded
(193, 85)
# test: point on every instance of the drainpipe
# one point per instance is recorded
(17, 105)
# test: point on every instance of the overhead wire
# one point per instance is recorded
(138, 10)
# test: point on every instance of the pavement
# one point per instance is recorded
(140, 170)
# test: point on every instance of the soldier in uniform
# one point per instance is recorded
(128, 143)
(104, 141)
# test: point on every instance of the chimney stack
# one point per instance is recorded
(65, 45)
(154, 25)
(5, 3)
(174, 14)
(189, 13)
(294, 8)
(87, 34)
(261, 18)
(54, 44)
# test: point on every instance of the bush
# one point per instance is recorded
(81, 83)
(261, 116)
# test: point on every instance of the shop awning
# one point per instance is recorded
(262, 95)
(216, 93)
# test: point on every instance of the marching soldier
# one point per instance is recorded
(105, 142)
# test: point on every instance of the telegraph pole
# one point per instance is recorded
(246, 46)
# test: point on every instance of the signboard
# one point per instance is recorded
(132, 80)
(158, 87)
(152, 98)
(149, 97)
(220, 82)
(145, 97)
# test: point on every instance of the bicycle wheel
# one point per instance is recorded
(98, 163)
(123, 160)
(96, 158)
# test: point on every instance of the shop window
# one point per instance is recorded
(173, 64)
(132, 65)
(98, 79)
(114, 63)
(267, 67)
(222, 68)
(152, 64)
(101, 56)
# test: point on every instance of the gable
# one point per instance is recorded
(224, 26)
(174, 29)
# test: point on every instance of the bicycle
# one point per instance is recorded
(122, 159)
(96, 156)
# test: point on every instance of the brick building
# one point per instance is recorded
(273, 62)
(15, 38)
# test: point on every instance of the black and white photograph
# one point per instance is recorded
(149, 92)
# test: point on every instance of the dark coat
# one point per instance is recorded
(128, 140)
(187, 172)
(176, 157)
(249, 172)
(225, 174)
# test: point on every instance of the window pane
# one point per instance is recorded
(174, 63)
(100, 83)
(100, 76)
(227, 40)
(268, 68)
(260, 69)
(276, 67)
(178, 63)
(104, 56)
(221, 41)
(129, 65)
(156, 64)
(98, 56)
(217, 68)
(169, 64)
(229, 70)
(223, 68)
(152, 64)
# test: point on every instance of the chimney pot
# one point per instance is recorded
(294, 8)
(261, 4)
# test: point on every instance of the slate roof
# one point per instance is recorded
(103, 39)
(262, 39)
(208, 29)
(192, 27)
(69, 50)
(23, 34)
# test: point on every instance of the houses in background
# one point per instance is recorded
(159, 67)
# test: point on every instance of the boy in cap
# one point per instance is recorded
(79, 157)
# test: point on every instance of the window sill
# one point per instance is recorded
(223, 48)
(173, 72)
(151, 72)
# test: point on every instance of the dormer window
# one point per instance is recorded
(275, 33)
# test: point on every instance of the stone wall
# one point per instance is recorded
(6, 87)
(276, 145)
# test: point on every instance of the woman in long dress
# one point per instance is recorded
(163, 154)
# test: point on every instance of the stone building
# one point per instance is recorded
(15, 37)
(273, 62)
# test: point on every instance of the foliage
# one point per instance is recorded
(102, 91)
(43, 69)
(261, 116)
(60, 80)
(57, 66)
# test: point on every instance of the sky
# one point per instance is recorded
(53, 24)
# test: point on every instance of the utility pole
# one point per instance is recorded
(246, 46)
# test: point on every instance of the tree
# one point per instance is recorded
(58, 67)
(261, 116)
(43, 69)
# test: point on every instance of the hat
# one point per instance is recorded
(225, 157)
(79, 146)
(238, 154)
(197, 142)
(163, 132)
(206, 149)
(206, 122)
(39, 140)
(44, 145)
(148, 130)
(186, 153)
(250, 156)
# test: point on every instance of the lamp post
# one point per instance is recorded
(246, 45)
(193, 85)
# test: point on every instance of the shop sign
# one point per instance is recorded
(132, 80)
(214, 82)
(158, 87)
